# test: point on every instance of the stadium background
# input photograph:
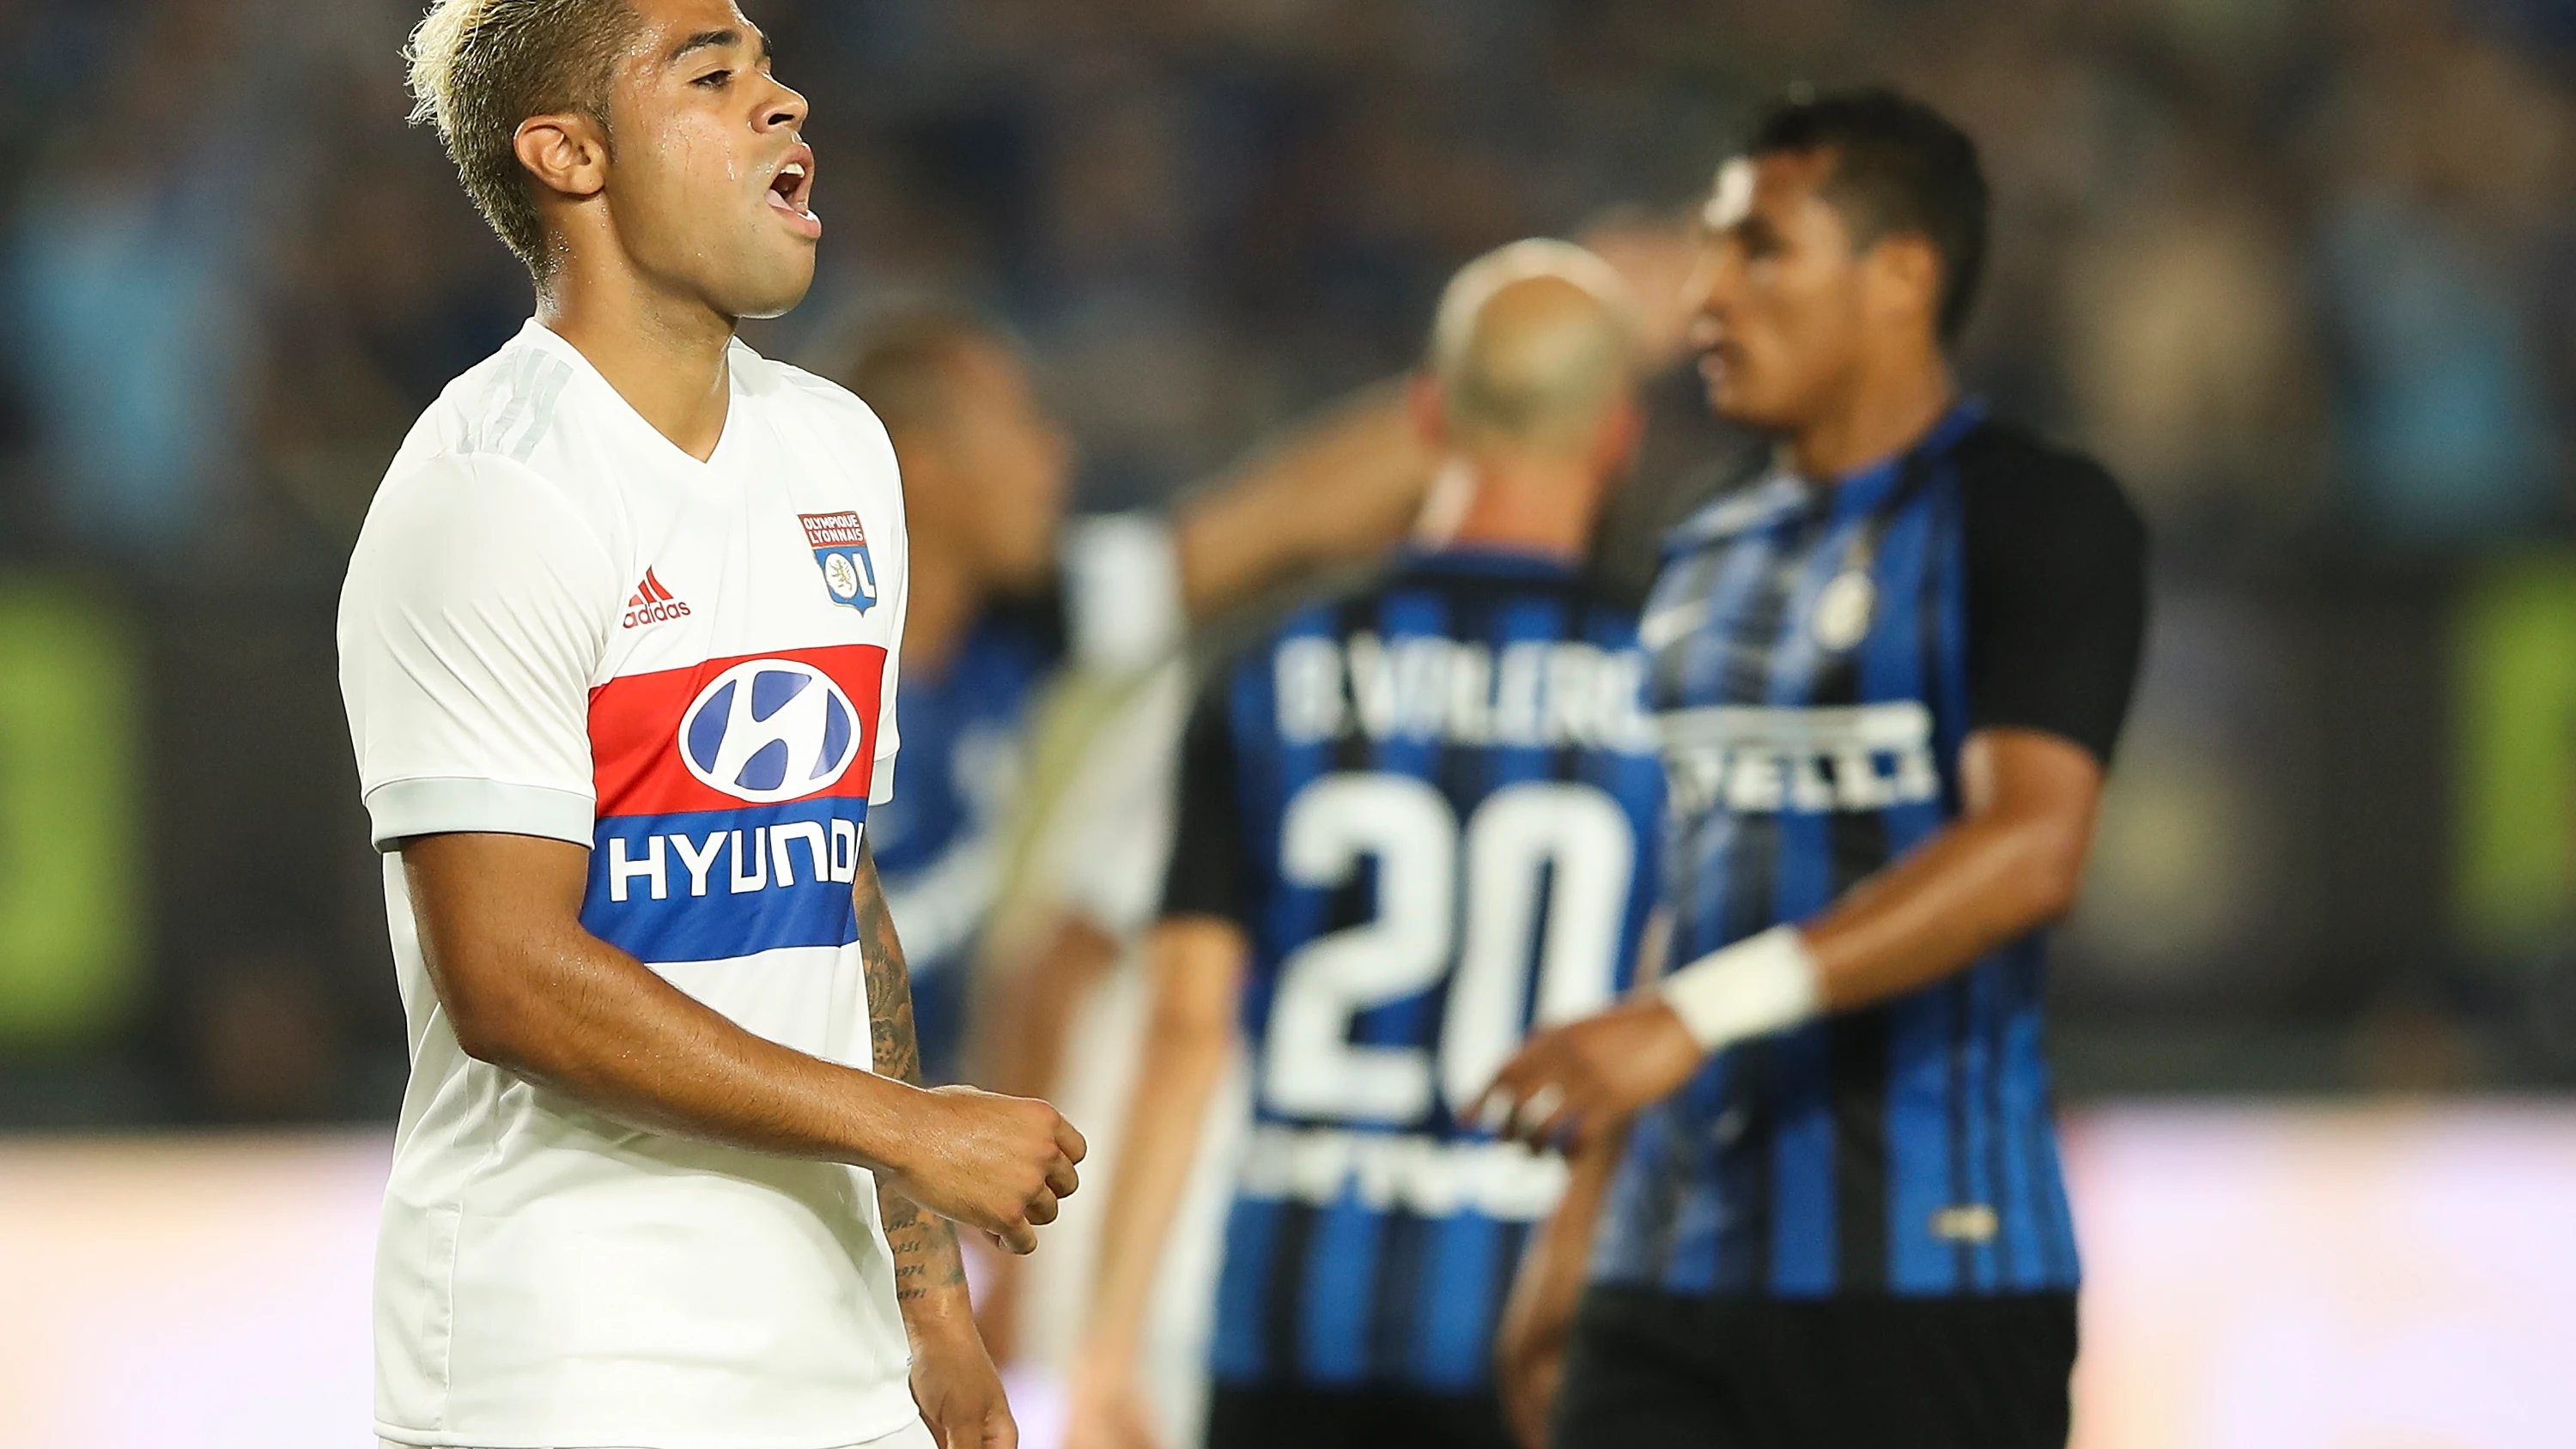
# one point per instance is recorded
(2302, 271)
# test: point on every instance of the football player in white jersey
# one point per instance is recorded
(619, 647)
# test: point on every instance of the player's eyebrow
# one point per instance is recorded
(724, 39)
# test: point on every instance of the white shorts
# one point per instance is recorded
(915, 1435)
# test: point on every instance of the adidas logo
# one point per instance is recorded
(653, 603)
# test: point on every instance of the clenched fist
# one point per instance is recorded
(999, 1164)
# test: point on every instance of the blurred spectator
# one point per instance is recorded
(2186, 348)
(132, 266)
(394, 290)
(2441, 149)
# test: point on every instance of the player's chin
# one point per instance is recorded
(772, 283)
(1737, 399)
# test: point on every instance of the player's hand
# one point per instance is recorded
(1104, 1409)
(993, 1163)
(1659, 257)
(957, 1388)
(1572, 1081)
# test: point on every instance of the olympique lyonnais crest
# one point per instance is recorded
(841, 549)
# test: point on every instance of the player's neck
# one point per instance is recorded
(1536, 506)
(665, 355)
(944, 594)
(1887, 409)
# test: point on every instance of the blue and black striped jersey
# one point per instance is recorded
(1819, 657)
(1432, 807)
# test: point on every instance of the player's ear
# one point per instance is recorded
(1905, 277)
(567, 153)
(1428, 407)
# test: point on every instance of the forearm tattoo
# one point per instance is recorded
(923, 1244)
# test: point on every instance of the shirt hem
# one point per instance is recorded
(871, 1431)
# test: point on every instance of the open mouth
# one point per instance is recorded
(791, 187)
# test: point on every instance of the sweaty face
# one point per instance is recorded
(710, 182)
(1009, 464)
(1782, 317)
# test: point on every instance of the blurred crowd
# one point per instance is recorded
(2302, 271)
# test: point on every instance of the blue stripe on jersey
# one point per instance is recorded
(1333, 1338)
(706, 885)
(2016, 1025)
(1919, 1147)
(1240, 1350)
(1698, 1220)
(1974, 1112)
(1803, 1214)
(1455, 1347)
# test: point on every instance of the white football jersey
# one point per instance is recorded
(558, 624)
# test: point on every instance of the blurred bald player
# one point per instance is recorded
(1410, 819)
(1005, 591)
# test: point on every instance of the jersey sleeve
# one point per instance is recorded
(477, 608)
(1208, 870)
(2056, 600)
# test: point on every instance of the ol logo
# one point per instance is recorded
(769, 730)
(841, 550)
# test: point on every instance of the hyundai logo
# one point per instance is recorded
(769, 730)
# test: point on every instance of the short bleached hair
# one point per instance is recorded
(478, 68)
(1539, 370)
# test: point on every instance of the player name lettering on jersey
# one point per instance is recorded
(1427, 688)
(1428, 1176)
(1754, 759)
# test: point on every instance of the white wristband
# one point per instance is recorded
(1753, 988)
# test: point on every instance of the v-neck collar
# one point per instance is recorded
(555, 344)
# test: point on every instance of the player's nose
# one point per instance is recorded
(1716, 279)
(786, 111)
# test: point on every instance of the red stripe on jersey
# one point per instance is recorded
(654, 587)
(636, 765)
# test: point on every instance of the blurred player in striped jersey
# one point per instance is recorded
(1413, 819)
(1008, 593)
(1889, 677)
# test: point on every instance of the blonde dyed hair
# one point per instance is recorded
(1532, 343)
(478, 68)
